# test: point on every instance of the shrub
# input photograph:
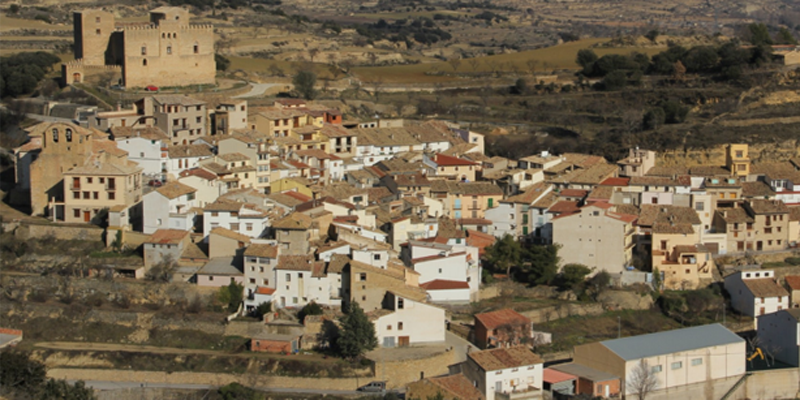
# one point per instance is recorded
(195, 305)
(774, 264)
(39, 296)
(309, 309)
(792, 260)
(95, 300)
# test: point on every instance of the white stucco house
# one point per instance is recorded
(405, 322)
(244, 218)
(505, 373)
(756, 292)
(171, 206)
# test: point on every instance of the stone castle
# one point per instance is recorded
(166, 51)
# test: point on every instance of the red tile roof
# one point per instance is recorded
(563, 206)
(167, 236)
(573, 193)
(459, 386)
(199, 172)
(443, 160)
(793, 281)
(492, 320)
(297, 195)
(615, 182)
(265, 290)
(441, 284)
(552, 376)
(437, 256)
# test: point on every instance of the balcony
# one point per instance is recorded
(526, 393)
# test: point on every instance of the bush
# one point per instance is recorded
(309, 309)
(774, 264)
(95, 300)
(195, 305)
(39, 296)
(792, 260)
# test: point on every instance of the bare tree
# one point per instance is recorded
(474, 62)
(455, 63)
(373, 57)
(312, 53)
(643, 380)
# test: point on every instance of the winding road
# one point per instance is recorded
(257, 89)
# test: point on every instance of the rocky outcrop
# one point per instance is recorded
(622, 300)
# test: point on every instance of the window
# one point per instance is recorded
(699, 206)
(362, 277)
(211, 277)
(55, 135)
(288, 277)
(86, 195)
(97, 32)
(96, 195)
(169, 49)
(376, 257)
(677, 365)
(235, 226)
(102, 180)
(399, 326)
(196, 49)
(253, 281)
(655, 369)
(144, 62)
(68, 134)
(199, 119)
(400, 303)
(249, 226)
(144, 50)
(76, 212)
(76, 195)
(388, 327)
(697, 361)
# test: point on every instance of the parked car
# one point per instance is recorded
(151, 88)
(375, 386)
(155, 182)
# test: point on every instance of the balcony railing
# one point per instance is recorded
(529, 392)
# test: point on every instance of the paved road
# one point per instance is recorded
(106, 385)
(257, 89)
(460, 346)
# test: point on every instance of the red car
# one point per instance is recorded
(151, 88)
(155, 182)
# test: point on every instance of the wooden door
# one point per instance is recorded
(87, 216)
(403, 341)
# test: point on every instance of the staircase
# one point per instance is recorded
(736, 386)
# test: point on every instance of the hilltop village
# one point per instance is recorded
(309, 221)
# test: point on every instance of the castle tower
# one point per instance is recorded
(175, 16)
(92, 30)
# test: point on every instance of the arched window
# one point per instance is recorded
(169, 36)
(163, 35)
(144, 62)
(68, 134)
(55, 135)
(169, 49)
(196, 48)
(174, 35)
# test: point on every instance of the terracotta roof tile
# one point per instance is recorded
(458, 386)
(504, 358)
(261, 250)
(494, 319)
(793, 281)
(227, 233)
(167, 236)
(173, 190)
(443, 160)
(189, 150)
(441, 284)
(765, 287)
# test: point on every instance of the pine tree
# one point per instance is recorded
(357, 332)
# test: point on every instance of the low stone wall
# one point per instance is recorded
(206, 378)
(771, 384)
(399, 373)
(129, 238)
(548, 314)
(28, 230)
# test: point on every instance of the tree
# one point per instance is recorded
(309, 309)
(222, 62)
(117, 243)
(455, 63)
(674, 112)
(520, 86)
(541, 267)
(19, 372)
(643, 380)
(785, 37)
(263, 309)
(236, 391)
(652, 35)
(357, 333)
(573, 275)
(304, 82)
(586, 58)
(61, 390)
(312, 54)
(657, 281)
(759, 34)
(615, 80)
(504, 254)
(163, 271)
(599, 283)
(231, 296)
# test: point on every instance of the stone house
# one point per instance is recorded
(165, 245)
(502, 328)
(637, 163)
(368, 285)
(793, 284)
(450, 387)
(219, 272)
(466, 200)
(223, 242)
(182, 118)
(505, 373)
(90, 189)
(293, 233)
(452, 168)
(760, 225)
(229, 115)
(255, 146)
(259, 267)
(244, 218)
